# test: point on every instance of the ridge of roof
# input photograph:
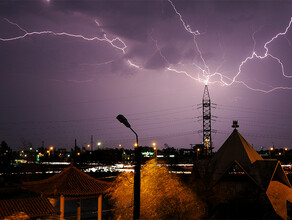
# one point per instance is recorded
(71, 182)
(280, 174)
(235, 148)
(219, 176)
(262, 172)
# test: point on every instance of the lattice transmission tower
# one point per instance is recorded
(207, 125)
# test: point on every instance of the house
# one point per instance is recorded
(238, 183)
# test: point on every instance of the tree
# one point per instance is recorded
(163, 196)
(6, 158)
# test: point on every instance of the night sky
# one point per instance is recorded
(68, 68)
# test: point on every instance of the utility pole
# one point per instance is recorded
(91, 142)
(75, 145)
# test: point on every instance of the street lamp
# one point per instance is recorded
(137, 174)
(155, 149)
(198, 150)
(271, 149)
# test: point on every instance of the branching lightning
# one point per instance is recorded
(205, 70)
(116, 42)
(202, 72)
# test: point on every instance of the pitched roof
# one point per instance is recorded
(236, 156)
(33, 207)
(278, 194)
(236, 148)
(262, 171)
(230, 167)
(71, 183)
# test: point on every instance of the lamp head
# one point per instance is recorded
(123, 120)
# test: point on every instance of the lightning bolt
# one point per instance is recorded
(205, 70)
(203, 73)
(115, 42)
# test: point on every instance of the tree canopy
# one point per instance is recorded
(163, 196)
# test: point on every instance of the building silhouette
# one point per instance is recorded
(238, 183)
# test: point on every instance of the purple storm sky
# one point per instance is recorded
(68, 68)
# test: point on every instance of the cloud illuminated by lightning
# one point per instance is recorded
(202, 71)
(205, 70)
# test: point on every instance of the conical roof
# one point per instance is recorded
(71, 182)
(235, 148)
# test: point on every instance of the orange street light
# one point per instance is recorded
(198, 150)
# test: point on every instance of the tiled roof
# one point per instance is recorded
(71, 182)
(33, 207)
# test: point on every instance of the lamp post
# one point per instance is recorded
(198, 150)
(137, 174)
(271, 150)
(155, 149)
